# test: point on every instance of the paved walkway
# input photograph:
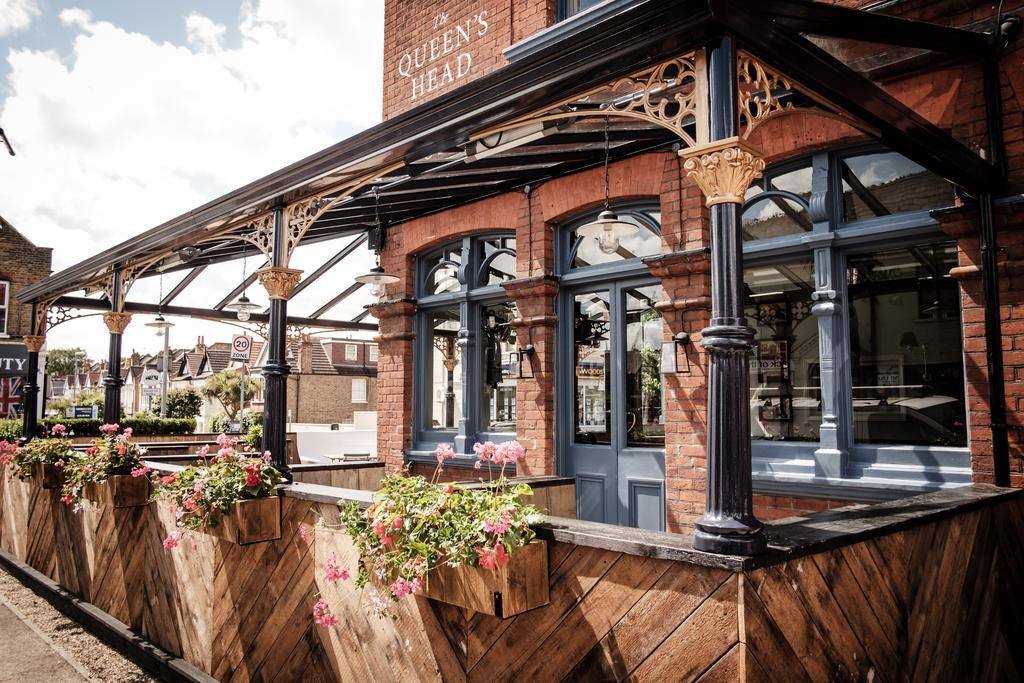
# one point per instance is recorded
(26, 656)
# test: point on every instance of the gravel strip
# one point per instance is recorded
(88, 654)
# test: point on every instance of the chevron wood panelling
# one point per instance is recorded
(935, 601)
(26, 523)
(940, 602)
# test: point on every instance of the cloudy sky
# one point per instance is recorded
(127, 114)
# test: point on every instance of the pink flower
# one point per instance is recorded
(252, 480)
(110, 429)
(322, 613)
(403, 587)
(266, 456)
(168, 479)
(379, 529)
(225, 452)
(332, 572)
(478, 464)
(387, 540)
(444, 452)
(499, 527)
(225, 441)
(172, 540)
(58, 429)
(204, 451)
(398, 523)
(121, 448)
(492, 558)
(92, 450)
(485, 450)
(140, 471)
(127, 432)
(509, 452)
(305, 533)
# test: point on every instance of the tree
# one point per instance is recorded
(226, 388)
(181, 403)
(60, 362)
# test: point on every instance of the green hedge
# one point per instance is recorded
(141, 426)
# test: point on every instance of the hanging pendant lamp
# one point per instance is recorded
(377, 278)
(608, 230)
(243, 306)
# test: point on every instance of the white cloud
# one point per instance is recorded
(127, 133)
(204, 34)
(17, 15)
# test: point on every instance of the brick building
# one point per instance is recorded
(670, 242)
(861, 272)
(21, 264)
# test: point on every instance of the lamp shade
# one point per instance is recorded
(243, 307)
(608, 230)
(161, 324)
(377, 279)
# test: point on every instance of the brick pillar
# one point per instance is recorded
(394, 381)
(535, 398)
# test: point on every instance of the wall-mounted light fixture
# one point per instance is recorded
(520, 362)
(671, 352)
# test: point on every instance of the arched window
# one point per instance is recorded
(585, 253)
(859, 359)
(464, 386)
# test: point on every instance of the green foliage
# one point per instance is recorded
(181, 403)
(110, 454)
(142, 426)
(254, 437)
(201, 493)
(93, 397)
(220, 422)
(10, 430)
(226, 388)
(63, 362)
(23, 460)
(415, 525)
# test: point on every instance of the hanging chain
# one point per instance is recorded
(160, 301)
(376, 221)
(607, 154)
(244, 264)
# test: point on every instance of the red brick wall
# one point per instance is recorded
(431, 48)
(22, 264)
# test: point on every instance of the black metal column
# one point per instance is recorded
(276, 370)
(728, 524)
(113, 381)
(30, 395)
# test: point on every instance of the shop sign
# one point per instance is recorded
(13, 360)
(445, 56)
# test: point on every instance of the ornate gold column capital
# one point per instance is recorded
(723, 169)
(279, 281)
(117, 322)
(34, 342)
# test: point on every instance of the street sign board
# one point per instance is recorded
(82, 412)
(151, 378)
(241, 347)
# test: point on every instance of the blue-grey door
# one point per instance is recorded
(613, 440)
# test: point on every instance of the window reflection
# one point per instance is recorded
(887, 183)
(498, 260)
(906, 350)
(498, 340)
(777, 216)
(441, 271)
(645, 422)
(592, 348)
(445, 380)
(785, 378)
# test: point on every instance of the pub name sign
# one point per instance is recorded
(445, 56)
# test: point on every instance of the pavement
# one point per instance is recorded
(26, 655)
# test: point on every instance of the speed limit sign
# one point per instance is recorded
(241, 347)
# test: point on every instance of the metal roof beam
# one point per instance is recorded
(337, 299)
(180, 287)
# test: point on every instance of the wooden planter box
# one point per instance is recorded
(125, 491)
(48, 475)
(250, 521)
(520, 585)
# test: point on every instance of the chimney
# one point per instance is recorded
(200, 344)
(305, 354)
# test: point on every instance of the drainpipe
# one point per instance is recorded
(990, 275)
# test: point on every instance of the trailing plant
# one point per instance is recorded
(111, 454)
(54, 450)
(416, 525)
(200, 494)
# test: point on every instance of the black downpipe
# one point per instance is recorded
(990, 275)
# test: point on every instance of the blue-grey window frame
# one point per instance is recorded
(798, 466)
(469, 300)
